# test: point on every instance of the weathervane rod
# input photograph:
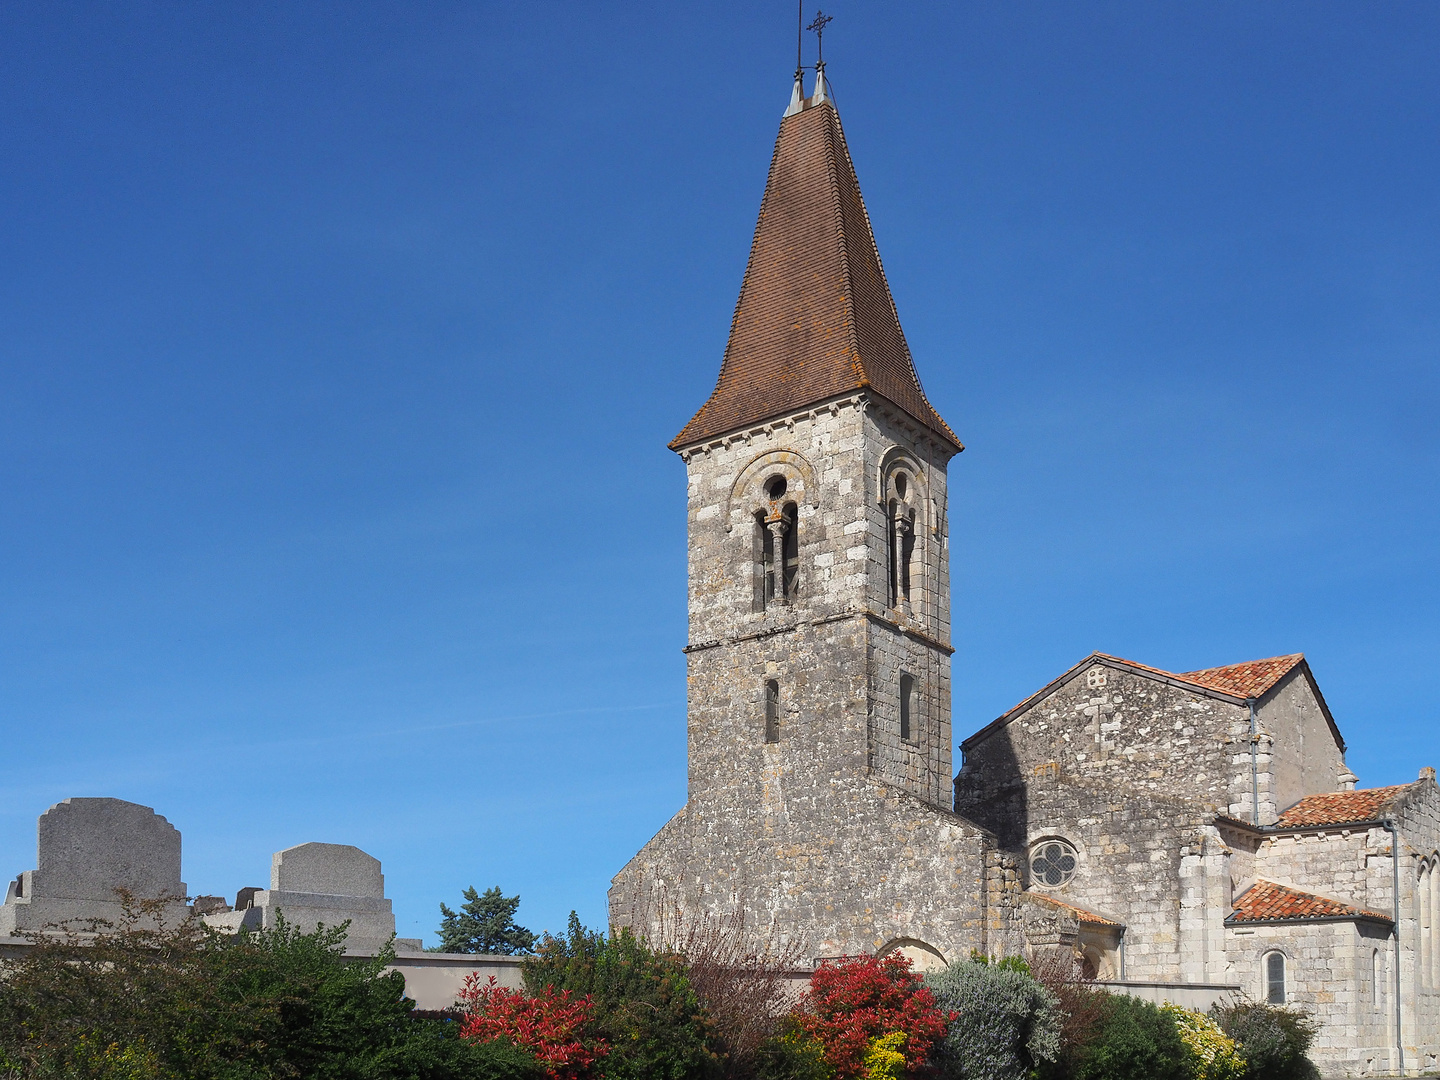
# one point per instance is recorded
(799, 38)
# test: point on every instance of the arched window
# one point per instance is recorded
(776, 548)
(907, 706)
(1434, 883)
(1376, 977)
(905, 501)
(772, 711)
(1275, 978)
(1425, 904)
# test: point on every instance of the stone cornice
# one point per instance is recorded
(831, 407)
(919, 435)
(841, 616)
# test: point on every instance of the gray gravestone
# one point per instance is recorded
(320, 885)
(330, 869)
(87, 852)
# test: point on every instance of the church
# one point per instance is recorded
(1182, 836)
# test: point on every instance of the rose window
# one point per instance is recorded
(1052, 863)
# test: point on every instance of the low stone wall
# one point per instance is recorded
(432, 980)
(1195, 996)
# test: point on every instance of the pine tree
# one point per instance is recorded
(484, 924)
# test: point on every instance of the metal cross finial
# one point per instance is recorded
(818, 29)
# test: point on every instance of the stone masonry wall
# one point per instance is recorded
(1132, 731)
(839, 834)
(1132, 851)
(1153, 736)
(1333, 862)
(1330, 972)
(1306, 756)
(920, 764)
(1417, 816)
(1354, 865)
(832, 461)
(883, 868)
(737, 779)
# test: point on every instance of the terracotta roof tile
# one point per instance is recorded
(1088, 917)
(1249, 680)
(1340, 807)
(1266, 902)
(815, 319)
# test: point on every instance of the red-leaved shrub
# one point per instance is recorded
(859, 998)
(551, 1025)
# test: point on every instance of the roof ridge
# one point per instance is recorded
(832, 167)
(1235, 693)
(1255, 688)
(869, 234)
(1244, 663)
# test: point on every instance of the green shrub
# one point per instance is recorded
(1128, 1039)
(1272, 1040)
(645, 1007)
(495, 1060)
(135, 1003)
(1006, 1023)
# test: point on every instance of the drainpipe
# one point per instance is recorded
(1389, 826)
(1254, 762)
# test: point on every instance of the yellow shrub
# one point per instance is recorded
(883, 1059)
(1215, 1054)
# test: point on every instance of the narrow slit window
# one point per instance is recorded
(907, 707)
(1275, 978)
(772, 711)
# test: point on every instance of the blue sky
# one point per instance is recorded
(340, 344)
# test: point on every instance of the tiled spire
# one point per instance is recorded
(815, 318)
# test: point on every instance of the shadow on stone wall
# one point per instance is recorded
(991, 790)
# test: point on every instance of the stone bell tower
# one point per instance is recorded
(819, 596)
